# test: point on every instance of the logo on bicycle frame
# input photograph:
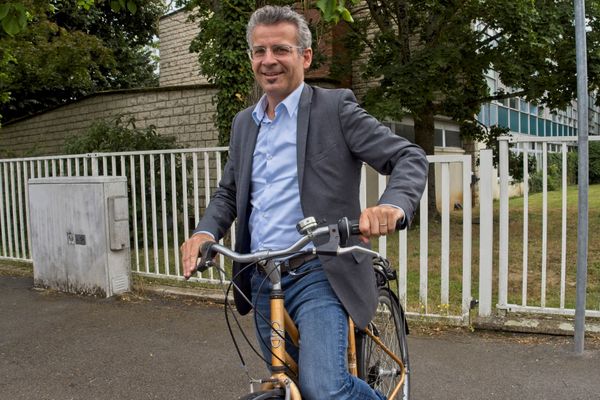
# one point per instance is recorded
(276, 335)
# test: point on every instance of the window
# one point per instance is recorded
(453, 138)
(524, 106)
(533, 109)
(514, 121)
(438, 139)
(493, 114)
(524, 123)
(503, 117)
(513, 103)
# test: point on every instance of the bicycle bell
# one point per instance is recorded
(307, 225)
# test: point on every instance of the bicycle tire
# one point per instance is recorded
(275, 394)
(376, 367)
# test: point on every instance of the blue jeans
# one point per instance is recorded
(323, 326)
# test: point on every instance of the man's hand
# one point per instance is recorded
(379, 221)
(190, 249)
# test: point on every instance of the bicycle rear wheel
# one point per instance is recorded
(378, 369)
(275, 394)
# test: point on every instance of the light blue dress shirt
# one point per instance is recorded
(274, 192)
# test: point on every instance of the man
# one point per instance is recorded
(298, 153)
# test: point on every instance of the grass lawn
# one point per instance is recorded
(534, 274)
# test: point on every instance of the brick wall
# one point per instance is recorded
(177, 65)
(183, 112)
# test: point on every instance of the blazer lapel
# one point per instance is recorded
(250, 132)
(302, 131)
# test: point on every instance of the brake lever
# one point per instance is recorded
(206, 257)
(332, 245)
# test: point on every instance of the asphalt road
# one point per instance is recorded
(61, 346)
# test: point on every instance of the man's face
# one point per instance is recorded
(277, 72)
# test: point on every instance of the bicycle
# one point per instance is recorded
(378, 355)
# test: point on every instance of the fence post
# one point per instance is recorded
(503, 221)
(467, 235)
(95, 169)
(486, 231)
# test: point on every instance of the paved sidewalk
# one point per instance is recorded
(60, 346)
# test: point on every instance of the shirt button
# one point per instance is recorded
(269, 157)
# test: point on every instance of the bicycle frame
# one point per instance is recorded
(282, 361)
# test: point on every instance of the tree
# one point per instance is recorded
(430, 57)
(221, 47)
(65, 52)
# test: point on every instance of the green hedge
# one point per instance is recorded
(555, 169)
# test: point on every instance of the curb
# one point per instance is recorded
(202, 294)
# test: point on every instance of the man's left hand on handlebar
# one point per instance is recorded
(379, 221)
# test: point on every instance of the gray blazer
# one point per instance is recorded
(335, 135)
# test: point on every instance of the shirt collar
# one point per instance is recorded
(290, 104)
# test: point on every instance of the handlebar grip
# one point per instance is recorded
(348, 227)
(206, 256)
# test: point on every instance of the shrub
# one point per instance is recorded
(118, 135)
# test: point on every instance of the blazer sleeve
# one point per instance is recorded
(375, 144)
(222, 210)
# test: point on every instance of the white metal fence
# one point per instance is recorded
(169, 189)
(539, 284)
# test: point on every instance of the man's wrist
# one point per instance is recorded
(403, 219)
(204, 233)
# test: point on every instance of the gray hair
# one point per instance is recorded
(272, 15)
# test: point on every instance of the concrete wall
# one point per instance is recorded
(177, 65)
(183, 112)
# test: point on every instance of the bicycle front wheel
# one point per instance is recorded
(275, 394)
(376, 367)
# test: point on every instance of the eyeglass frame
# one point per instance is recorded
(250, 51)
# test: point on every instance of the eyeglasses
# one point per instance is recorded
(277, 50)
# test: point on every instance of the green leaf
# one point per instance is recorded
(85, 4)
(346, 16)
(131, 6)
(4, 9)
(15, 19)
(328, 9)
(115, 5)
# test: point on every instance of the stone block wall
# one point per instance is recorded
(177, 65)
(183, 112)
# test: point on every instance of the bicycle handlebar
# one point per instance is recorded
(345, 228)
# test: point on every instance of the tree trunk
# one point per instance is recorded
(424, 137)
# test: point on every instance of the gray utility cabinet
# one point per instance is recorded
(79, 230)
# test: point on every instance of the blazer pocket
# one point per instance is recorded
(329, 151)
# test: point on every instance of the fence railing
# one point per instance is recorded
(168, 190)
(544, 285)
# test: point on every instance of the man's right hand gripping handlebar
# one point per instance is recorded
(191, 248)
